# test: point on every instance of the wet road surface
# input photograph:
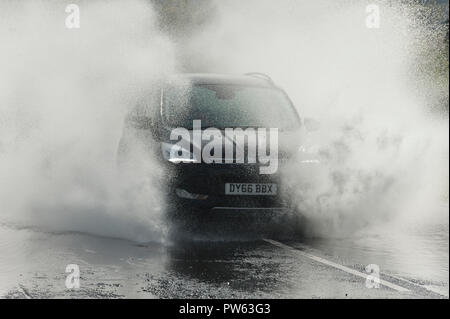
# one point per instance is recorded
(33, 263)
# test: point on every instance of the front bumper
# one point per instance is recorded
(208, 180)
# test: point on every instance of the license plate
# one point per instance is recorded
(250, 189)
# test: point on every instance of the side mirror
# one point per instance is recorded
(311, 124)
(140, 122)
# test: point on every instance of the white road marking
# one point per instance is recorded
(250, 208)
(24, 291)
(334, 265)
(429, 288)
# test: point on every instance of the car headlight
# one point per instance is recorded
(308, 154)
(176, 154)
(308, 149)
(182, 193)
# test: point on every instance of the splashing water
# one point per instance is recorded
(64, 96)
(380, 94)
(65, 92)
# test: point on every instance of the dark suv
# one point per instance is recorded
(232, 183)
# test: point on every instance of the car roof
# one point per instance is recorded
(212, 78)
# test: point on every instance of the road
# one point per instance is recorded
(33, 263)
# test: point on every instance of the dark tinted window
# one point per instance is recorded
(223, 106)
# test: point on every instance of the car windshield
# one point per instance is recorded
(224, 105)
